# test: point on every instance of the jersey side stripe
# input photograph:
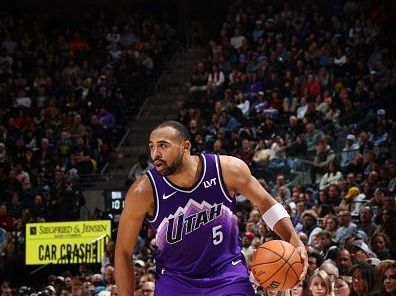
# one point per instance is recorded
(151, 178)
(220, 176)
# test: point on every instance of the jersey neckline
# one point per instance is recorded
(202, 163)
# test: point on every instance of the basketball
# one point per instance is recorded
(276, 265)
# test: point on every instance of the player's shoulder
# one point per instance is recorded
(231, 163)
(233, 168)
(235, 172)
(141, 189)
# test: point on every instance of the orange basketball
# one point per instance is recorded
(276, 265)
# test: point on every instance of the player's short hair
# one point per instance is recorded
(182, 132)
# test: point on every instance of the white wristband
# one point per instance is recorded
(274, 214)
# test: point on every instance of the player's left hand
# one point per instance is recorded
(304, 257)
(295, 241)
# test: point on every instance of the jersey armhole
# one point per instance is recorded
(152, 218)
(221, 180)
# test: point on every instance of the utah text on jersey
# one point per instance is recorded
(189, 219)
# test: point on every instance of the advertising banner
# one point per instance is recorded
(66, 242)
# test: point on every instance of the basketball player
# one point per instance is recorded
(189, 201)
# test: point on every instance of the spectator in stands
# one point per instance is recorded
(6, 221)
(320, 284)
(323, 157)
(392, 176)
(385, 225)
(331, 224)
(354, 200)
(343, 261)
(147, 288)
(325, 243)
(300, 289)
(331, 270)
(360, 251)
(313, 136)
(215, 79)
(379, 244)
(77, 129)
(279, 182)
(347, 227)
(38, 209)
(350, 150)
(199, 79)
(140, 168)
(364, 280)
(108, 256)
(331, 176)
(246, 152)
(388, 282)
(343, 286)
(237, 40)
(366, 222)
(309, 220)
(108, 275)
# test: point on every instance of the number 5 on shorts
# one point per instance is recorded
(217, 235)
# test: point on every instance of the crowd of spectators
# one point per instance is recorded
(68, 87)
(304, 95)
(289, 89)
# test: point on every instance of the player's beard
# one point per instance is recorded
(172, 168)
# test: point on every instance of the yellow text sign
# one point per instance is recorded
(66, 242)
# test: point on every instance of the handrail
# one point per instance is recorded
(123, 139)
(143, 107)
(175, 56)
(102, 171)
(159, 81)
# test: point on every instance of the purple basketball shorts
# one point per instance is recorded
(232, 280)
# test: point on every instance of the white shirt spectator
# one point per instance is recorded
(358, 203)
(349, 152)
(344, 231)
(328, 179)
(245, 107)
(340, 60)
(113, 36)
(236, 41)
(217, 79)
(302, 109)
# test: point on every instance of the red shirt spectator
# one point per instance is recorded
(245, 153)
(77, 43)
(6, 221)
(311, 87)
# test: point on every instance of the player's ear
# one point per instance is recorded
(186, 146)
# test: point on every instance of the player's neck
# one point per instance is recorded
(188, 173)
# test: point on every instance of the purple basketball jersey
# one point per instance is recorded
(196, 229)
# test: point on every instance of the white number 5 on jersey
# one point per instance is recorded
(217, 235)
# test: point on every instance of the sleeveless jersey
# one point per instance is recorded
(196, 228)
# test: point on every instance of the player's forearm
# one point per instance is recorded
(284, 228)
(124, 274)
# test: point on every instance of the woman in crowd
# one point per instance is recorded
(379, 244)
(320, 284)
(388, 285)
(343, 286)
(300, 289)
(386, 221)
(330, 177)
(331, 224)
(215, 78)
(364, 280)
